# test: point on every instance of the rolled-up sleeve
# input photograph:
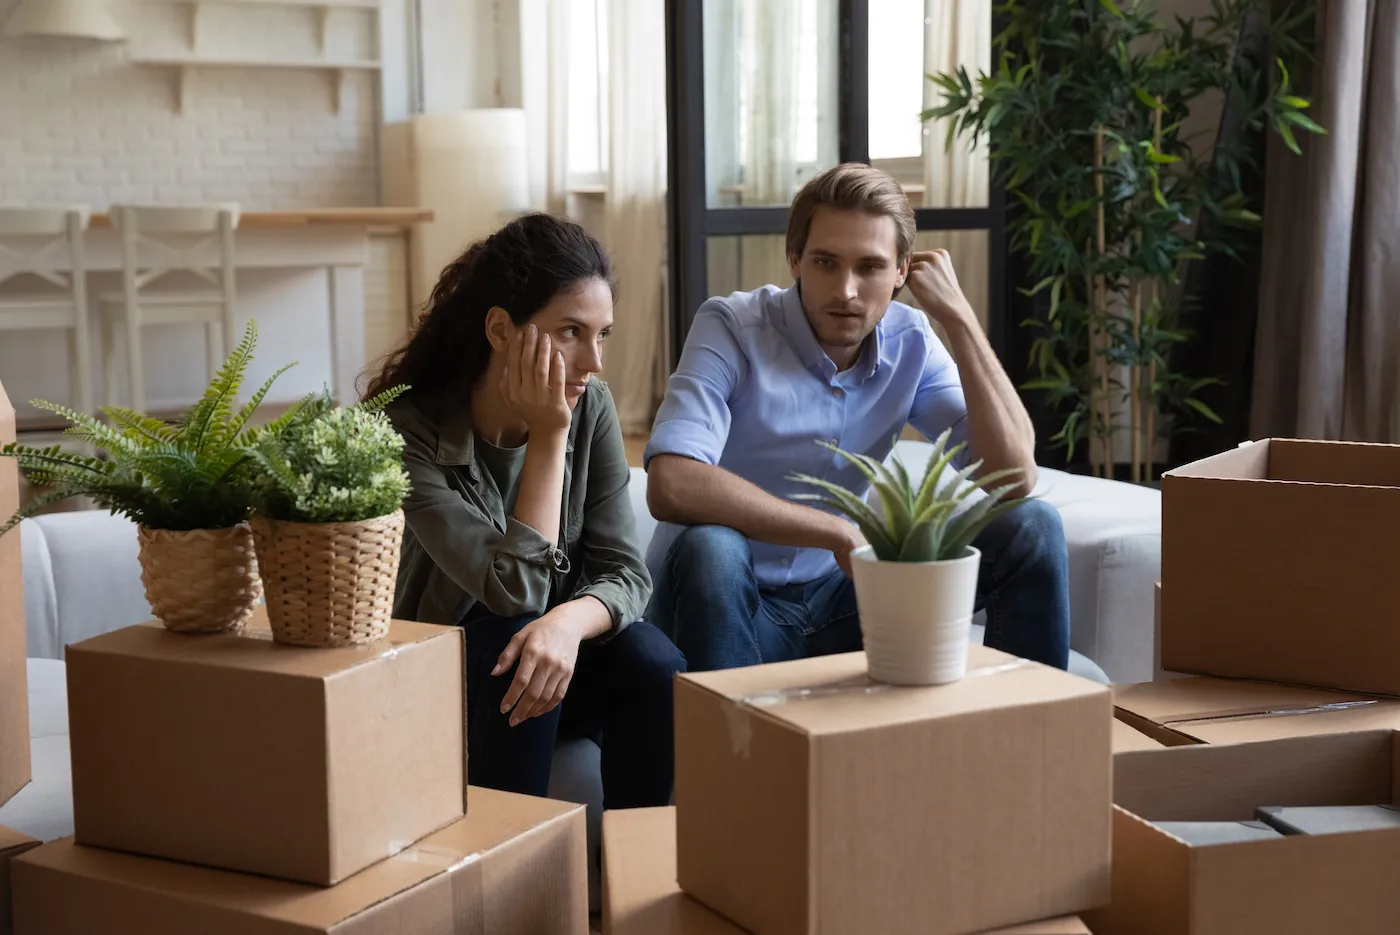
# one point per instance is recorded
(939, 403)
(509, 573)
(614, 571)
(694, 418)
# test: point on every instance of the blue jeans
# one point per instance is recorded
(620, 696)
(708, 599)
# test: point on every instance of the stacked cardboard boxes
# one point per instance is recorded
(1275, 596)
(230, 783)
(811, 799)
(14, 691)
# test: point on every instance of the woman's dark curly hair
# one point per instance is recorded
(520, 268)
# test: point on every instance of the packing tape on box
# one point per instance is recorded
(738, 715)
(465, 881)
(1275, 712)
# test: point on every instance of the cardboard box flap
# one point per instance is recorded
(1200, 698)
(1250, 461)
(1330, 769)
(1369, 715)
(1064, 925)
(254, 650)
(497, 818)
(1346, 463)
(13, 842)
(1126, 738)
(815, 698)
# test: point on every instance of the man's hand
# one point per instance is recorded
(852, 540)
(533, 382)
(547, 650)
(935, 287)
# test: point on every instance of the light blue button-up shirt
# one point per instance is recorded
(754, 392)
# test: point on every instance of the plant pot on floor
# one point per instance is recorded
(329, 584)
(915, 617)
(200, 580)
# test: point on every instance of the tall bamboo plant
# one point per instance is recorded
(1083, 121)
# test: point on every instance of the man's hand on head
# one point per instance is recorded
(934, 286)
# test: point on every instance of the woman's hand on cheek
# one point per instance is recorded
(532, 382)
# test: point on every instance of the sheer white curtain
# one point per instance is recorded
(631, 114)
(636, 206)
(956, 32)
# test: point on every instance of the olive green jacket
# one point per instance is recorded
(460, 548)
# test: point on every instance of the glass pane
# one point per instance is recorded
(908, 40)
(771, 114)
(742, 264)
(971, 255)
(746, 263)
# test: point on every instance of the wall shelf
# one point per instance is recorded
(182, 65)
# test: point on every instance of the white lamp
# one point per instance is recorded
(76, 19)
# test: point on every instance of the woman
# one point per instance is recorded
(519, 526)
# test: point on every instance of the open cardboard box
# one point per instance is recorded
(14, 690)
(641, 896)
(813, 799)
(233, 751)
(1278, 564)
(1293, 885)
(1201, 709)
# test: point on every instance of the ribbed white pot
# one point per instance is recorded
(915, 617)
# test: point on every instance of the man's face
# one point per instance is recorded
(849, 272)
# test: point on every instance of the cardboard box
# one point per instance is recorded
(1292, 885)
(12, 844)
(1201, 709)
(810, 798)
(517, 865)
(237, 752)
(1278, 562)
(1126, 738)
(641, 895)
(14, 689)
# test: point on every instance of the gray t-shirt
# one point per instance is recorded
(504, 465)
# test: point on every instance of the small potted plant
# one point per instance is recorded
(187, 485)
(328, 523)
(916, 581)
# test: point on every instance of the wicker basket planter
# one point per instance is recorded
(200, 580)
(329, 584)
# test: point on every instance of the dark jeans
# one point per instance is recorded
(708, 599)
(620, 696)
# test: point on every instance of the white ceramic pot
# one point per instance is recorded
(915, 617)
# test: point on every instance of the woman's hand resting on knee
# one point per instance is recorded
(547, 649)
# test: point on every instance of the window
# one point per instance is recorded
(896, 79)
(588, 92)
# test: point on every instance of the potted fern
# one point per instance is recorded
(328, 524)
(187, 486)
(916, 581)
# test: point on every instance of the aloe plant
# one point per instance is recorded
(197, 473)
(917, 523)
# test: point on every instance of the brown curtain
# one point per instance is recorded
(1327, 358)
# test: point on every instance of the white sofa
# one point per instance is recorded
(82, 578)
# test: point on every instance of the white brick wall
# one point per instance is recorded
(79, 122)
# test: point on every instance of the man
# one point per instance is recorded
(742, 573)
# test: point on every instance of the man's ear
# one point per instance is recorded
(903, 275)
(795, 265)
(499, 328)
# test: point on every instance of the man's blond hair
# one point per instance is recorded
(851, 186)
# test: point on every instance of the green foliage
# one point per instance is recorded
(332, 465)
(195, 474)
(917, 523)
(1067, 70)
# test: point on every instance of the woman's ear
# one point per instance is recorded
(499, 328)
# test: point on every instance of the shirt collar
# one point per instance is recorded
(809, 350)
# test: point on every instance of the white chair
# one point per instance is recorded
(155, 242)
(34, 241)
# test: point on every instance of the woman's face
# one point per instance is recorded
(578, 320)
